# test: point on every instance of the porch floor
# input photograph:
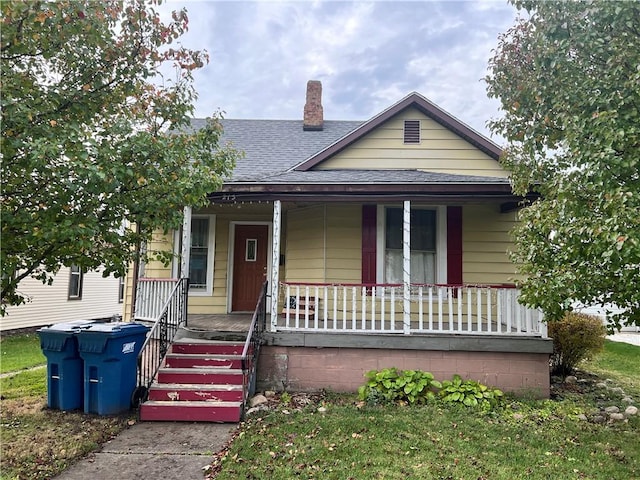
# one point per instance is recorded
(231, 322)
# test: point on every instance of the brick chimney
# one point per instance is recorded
(313, 116)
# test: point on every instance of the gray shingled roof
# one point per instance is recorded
(376, 177)
(273, 146)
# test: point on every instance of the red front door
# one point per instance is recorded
(249, 265)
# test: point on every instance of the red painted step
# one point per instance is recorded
(213, 348)
(191, 411)
(199, 381)
(202, 360)
(179, 392)
(200, 375)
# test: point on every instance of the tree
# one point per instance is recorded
(568, 78)
(90, 135)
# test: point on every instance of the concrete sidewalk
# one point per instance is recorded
(627, 337)
(164, 450)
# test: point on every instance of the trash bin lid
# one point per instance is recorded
(116, 329)
(71, 327)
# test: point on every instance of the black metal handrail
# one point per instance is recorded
(252, 344)
(173, 315)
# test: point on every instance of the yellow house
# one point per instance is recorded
(378, 243)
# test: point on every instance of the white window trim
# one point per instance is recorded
(211, 246)
(441, 240)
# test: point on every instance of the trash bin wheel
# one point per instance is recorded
(138, 396)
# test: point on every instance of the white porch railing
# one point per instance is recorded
(451, 309)
(151, 295)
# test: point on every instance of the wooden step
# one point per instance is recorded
(179, 392)
(210, 375)
(203, 360)
(190, 411)
(207, 347)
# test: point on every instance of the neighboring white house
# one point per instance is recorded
(74, 295)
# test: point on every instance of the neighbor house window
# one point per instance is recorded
(120, 289)
(423, 246)
(75, 283)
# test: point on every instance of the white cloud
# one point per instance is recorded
(367, 54)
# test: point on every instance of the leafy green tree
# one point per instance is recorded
(87, 142)
(568, 78)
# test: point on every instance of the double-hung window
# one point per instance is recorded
(423, 245)
(199, 254)
(75, 283)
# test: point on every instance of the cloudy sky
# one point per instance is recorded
(368, 55)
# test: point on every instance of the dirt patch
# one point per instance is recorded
(38, 442)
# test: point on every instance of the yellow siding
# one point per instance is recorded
(344, 244)
(440, 151)
(160, 243)
(486, 241)
(304, 254)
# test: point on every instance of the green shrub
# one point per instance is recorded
(391, 385)
(576, 337)
(470, 393)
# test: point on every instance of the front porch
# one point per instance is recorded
(371, 309)
(328, 336)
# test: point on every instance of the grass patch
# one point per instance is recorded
(18, 352)
(32, 383)
(532, 441)
(523, 439)
(618, 361)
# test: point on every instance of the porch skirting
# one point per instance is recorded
(338, 362)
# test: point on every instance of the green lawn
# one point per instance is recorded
(20, 351)
(523, 440)
(619, 361)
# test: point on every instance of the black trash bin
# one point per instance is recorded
(110, 353)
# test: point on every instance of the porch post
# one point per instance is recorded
(406, 266)
(275, 264)
(186, 242)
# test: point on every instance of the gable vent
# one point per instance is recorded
(412, 131)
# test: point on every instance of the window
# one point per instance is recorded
(121, 290)
(75, 283)
(201, 254)
(251, 250)
(423, 246)
(412, 131)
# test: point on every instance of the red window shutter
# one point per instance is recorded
(369, 218)
(454, 245)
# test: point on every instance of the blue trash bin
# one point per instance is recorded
(110, 352)
(59, 343)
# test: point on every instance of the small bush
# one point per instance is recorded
(391, 385)
(575, 338)
(470, 393)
